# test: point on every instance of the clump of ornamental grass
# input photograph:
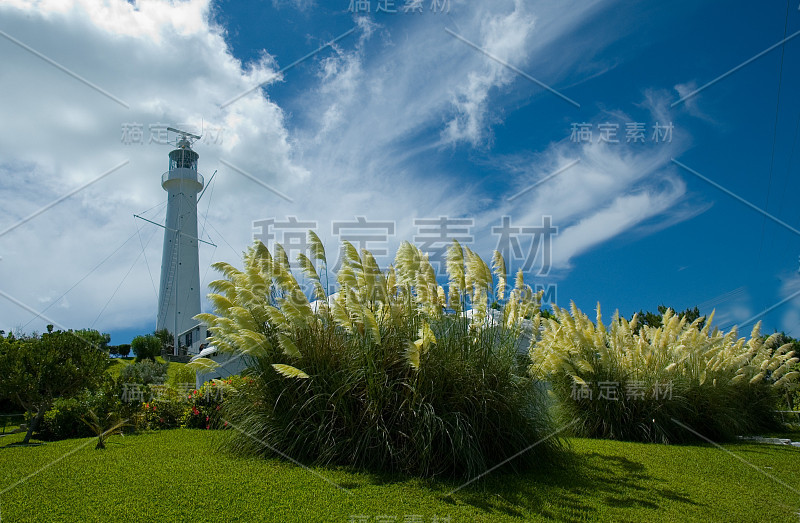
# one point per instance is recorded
(104, 429)
(674, 383)
(379, 376)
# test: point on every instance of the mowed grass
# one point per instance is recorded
(182, 475)
(117, 364)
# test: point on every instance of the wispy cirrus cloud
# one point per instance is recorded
(382, 128)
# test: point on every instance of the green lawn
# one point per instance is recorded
(9, 422)
(117, 364)
(181, 475)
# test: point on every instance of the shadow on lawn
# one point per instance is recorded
(19, 444)
(576, 490)
(573, 492)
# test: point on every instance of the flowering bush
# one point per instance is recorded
(204, 409)
(162, 414)
(163, 410)
(151, 407)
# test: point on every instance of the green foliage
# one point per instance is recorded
(205, 404)
(664, 378)
(378, 377)
(179, 374)
(36, 370)
(651, 319)
(103, 428)
(790, 395)
(547, 314)
(793, 396)
(159, 406)
(144, 372)
(146, 347)
(164, 412)
(64, 419)
(119, 350)
(166, 340)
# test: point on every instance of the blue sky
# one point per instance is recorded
(465, 114)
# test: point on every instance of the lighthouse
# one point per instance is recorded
(179, 292)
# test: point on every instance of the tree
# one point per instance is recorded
(652, 319)
(124, 349)
(36, 370)
(547, 314)
(166, 339)
(146, 347)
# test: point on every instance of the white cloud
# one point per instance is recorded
(372, 135)
(690, 104)
(171, 66)
(506, 38)
(602, 189)
(300, 5)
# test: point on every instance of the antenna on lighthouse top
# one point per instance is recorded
(186, 138)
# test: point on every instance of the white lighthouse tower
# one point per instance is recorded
(179, 293)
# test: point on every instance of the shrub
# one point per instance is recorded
(183, 376)
(205, 404)
(144, 372)
(792, 395)
(379, 377)
(146, 347)
(35, 370)
(64, 419)
(155, 406)
(163, 407)
(662, 379)
(166, 340)
(165, 414)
